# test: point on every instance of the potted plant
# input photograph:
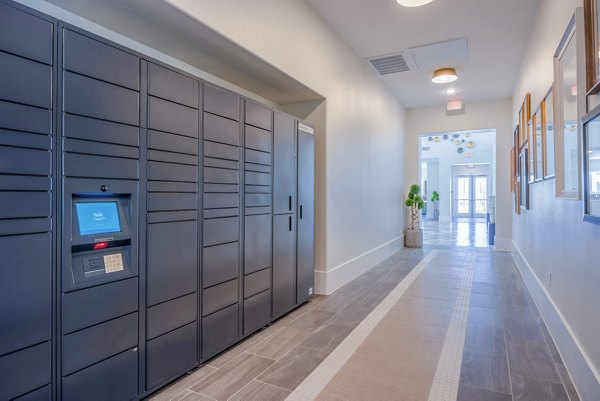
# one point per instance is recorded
(435, 199)
(414, 234)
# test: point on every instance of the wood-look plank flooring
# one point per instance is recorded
(508, 352)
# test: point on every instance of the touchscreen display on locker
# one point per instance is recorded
(98, 217)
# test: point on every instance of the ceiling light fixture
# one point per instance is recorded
(450, 91)
(413, 3)
(444, 75)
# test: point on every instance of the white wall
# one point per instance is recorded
(556, 251)
(494, 114)
(362, 147)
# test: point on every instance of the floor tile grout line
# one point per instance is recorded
(273, 385)
(312, 385)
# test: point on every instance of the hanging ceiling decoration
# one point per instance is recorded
(445, 137)
(470, 144)
(436, 139)
(460, 150)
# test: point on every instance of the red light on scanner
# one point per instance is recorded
(100, 245)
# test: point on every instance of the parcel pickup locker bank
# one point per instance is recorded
(149, 220)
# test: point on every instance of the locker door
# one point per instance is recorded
(284, 263)
(284, 159)
(305, 216)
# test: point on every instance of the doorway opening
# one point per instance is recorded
(461, 167)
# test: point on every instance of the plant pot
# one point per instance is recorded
(413, 238)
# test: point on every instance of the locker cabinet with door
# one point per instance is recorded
(27, 66)
(221, 225)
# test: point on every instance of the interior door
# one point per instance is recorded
(471, 195)
(463, 189)
(480, 186)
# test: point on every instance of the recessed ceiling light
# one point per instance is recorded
(444, 75)
(450, 91)
(413, 3)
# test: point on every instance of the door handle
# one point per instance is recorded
(290, 203)
(290, 217)
(300, 212)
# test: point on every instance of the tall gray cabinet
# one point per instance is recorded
(293, 213)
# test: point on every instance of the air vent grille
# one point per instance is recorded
(390, 64)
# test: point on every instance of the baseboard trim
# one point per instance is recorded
(502, 244)
(326, 282)
(584, 374)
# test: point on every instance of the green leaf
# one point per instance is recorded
(415, 189)
(421, 205)
(411, 195)
(409, 202)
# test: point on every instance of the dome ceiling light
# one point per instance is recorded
(444, 75)
(413, 3)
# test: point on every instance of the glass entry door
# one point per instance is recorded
(470, 196)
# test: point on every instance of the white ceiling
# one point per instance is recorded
(497, 31)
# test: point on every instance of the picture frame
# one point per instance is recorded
(531, 146)
(592, 45)
(536, 144)
(512, 170)
(524, 178)
(524, 117)
(548, 134)
(569, 104)
(591, 166)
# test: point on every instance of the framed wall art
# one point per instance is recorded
(567, 106)
(592, 45)
(531, 147)
(524, 117)
(524, 178)
(591, 166)
(548, 134)
(538, 150)
(512, 170)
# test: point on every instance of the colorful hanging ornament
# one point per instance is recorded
(470, 144)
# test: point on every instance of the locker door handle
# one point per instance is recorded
(300, 212)
(290, 222)
(290, 203)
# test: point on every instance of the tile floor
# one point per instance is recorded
(460, 232)
(467, 304)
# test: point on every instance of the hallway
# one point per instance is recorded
(460, 232)
(436, 325)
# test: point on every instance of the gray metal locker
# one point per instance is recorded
(221, 225)
(305, 214)
(284, 264)
(172, 246)
(284, 164)
(98, 353)
(26, 195)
